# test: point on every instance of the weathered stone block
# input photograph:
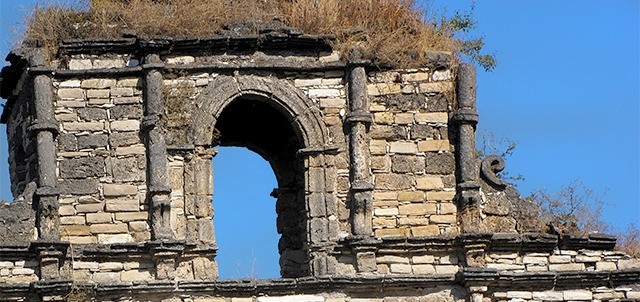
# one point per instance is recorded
(92, 114)
(577, 295)
(432, 118)
(98, 83)
(128, 168)
(393, 181)
(131, 216)
(445, 219)
(78, 186)
(87, 126)
(135, 275)
(403, 147)
(407, 163)
(92, 141)
(417, 209)
(441, 195)
(427, 230)
(433, 145)
(411, 196)
(128, 125)
(394, 232)
(82, 167)
(440, 163)
(109, 228)
(126, 112)
(114, 238)
(388, 132)
(71, 93)
(119, 190)
(122, 205)
(99, 218)
(124, 139)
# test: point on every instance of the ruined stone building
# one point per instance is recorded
(380, 196)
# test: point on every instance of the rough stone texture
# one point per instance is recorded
(371, 200)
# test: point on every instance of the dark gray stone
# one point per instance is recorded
(437, 103)
(124, 139)
(388, 132)
(440, 163)
(429, 132)
(93, 141)
(67, 142)
(79, 186)
(126, 112)
(92, 114)
(82, 167)
(407, 163)
(129, 168)
(17, 220)
(404, 102)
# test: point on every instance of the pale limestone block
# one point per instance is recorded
(67, 117)
(75, 230)
(535, 260)
(22, 271)
(92, 127)
(442, 75)
(21, 279)
(548, 296)
(109, 63)
(122, 205)
(441, 195)
(68, 220)
(294, 298)
(447, 269)
(111, 266)
(434, 145)
(106, 277)
(383, 117)
(436, 87)
(519, 295)
(559, 259)
(131, 150)
(424, 259)
(98, 83)
(98, 102)
(66, 210)
(403, 118)
(447, 208)
(324, 93)
(71, 104)
(577, 295)
(138, 226)
(506, 267)
(132, 216)
(89, 208)
(384, 222)
(114, 238)
(383, 89)
(182, 60)
(425, 231)
(392, 232)
(606, 266)
(135, 275)
(131, 82)
(333, 103)
(127, 100)
(417, 209)
(628, 264)
(99, 218)
(415, 77)
(74, 83)
(128, 125)
(432, 118)
(90, 265)
(307, 82)
(429, 183)
(78, 64)
(71, 93)
(403, 147)
(332, 81)
(386, 212)
(121, 91)
(414, 221)
(119, 189)
(398, 268)
(98, 93)
(567, 267)
(411, 196)
(109, 228)
(378, 147)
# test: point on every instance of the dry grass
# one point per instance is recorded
(385, 31)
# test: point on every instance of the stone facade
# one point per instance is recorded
(380, 196)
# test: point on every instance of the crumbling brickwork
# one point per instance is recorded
(380, 195)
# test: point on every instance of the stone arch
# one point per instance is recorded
(231, 103)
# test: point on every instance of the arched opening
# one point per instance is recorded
(259, 125)
(245, 215)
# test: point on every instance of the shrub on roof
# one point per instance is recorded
(388, 32)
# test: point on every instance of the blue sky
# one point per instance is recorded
(566, 89)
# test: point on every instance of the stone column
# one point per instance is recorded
(358, 120)
(44, 128)
(466, 118)
(158, 189)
